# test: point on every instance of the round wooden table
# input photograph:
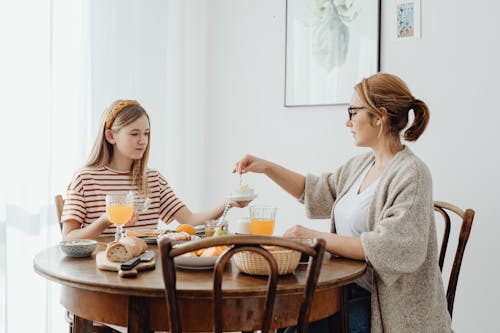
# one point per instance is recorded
(139, 303)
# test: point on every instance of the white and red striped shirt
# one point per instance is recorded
(85, 201)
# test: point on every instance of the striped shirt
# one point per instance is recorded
(85, 201)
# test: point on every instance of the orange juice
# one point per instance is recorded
(262, 226)
(119, 214)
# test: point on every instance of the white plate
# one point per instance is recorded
(242, 197)
(190, 262)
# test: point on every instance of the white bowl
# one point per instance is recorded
(78, 247)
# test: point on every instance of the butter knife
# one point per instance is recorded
(127, 269)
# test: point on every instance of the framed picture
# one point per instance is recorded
(330, 46)
(407, 19)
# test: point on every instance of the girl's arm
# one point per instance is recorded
(185, 215)
(72, 229)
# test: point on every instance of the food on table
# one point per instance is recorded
(125, 248)
(150, 233)
(178, 236)
(188, 228)
(243, 191)
(213, 251)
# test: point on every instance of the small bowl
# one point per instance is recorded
(78, 247)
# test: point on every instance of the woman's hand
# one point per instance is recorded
(250, 163)
(298, 231)
(239, 204)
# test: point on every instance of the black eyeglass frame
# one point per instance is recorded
(350, 110)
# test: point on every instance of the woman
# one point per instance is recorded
(381, 208)
(118, 162)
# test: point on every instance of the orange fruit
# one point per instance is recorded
(188, 228)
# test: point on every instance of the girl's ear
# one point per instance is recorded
(110, 136)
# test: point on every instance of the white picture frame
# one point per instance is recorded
(330, 46)
(407, 18)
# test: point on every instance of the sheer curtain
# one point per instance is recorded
(44, 81)
(62, 63)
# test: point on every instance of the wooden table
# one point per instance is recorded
(139, 303)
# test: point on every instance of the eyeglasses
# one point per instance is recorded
(351, 110)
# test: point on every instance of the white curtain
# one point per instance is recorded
(62, 63)
(44, 133)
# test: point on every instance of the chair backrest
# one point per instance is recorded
(59, 208)
(236, 244)
(466, 218)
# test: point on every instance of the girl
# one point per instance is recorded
(381, 209)
(118, 163)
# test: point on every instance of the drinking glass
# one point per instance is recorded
(119, 207)
(210, 227)
(262, 220)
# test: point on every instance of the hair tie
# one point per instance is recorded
(412, 103)
(117, 109)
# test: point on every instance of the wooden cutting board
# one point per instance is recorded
(104, 264)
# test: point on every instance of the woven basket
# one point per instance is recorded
(255, 264)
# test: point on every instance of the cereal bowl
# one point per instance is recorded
(78, 247)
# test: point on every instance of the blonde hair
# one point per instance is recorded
(119, 114)
(383, 90)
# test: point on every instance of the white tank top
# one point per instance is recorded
(351, 216)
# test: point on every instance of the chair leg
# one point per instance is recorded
(344, 309)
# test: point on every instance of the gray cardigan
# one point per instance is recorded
(400, 244)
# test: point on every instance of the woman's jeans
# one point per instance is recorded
(359, 311)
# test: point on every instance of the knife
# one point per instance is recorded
(127, 268)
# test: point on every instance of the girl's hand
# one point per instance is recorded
(298, 231)
(133, 220)
(250, 163)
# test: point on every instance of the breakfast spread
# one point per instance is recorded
(213, 251)
(125, 248)
(178, 236)
(150, 233)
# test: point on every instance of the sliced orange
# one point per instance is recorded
(188, 228)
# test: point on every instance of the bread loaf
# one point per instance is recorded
(125, 249)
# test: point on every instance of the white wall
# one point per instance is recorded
(454, 67)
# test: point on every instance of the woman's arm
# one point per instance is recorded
(290, 181)
(348, 247)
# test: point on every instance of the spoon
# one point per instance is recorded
(223, 216)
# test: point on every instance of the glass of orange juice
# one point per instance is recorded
(119, 207)
(262, 219)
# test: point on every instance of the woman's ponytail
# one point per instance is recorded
(420, 121)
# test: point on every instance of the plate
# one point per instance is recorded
(190, 262)
(242, 197)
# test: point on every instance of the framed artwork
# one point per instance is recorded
(407, 19)
(330, 46)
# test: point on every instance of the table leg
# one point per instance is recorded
(81, 325)
(138, 315)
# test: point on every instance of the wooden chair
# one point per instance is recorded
(59, 208)
(444, 208)
(97, 327)
(237, 244)
(466, 217)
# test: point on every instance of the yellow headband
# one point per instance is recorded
(116, 109)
